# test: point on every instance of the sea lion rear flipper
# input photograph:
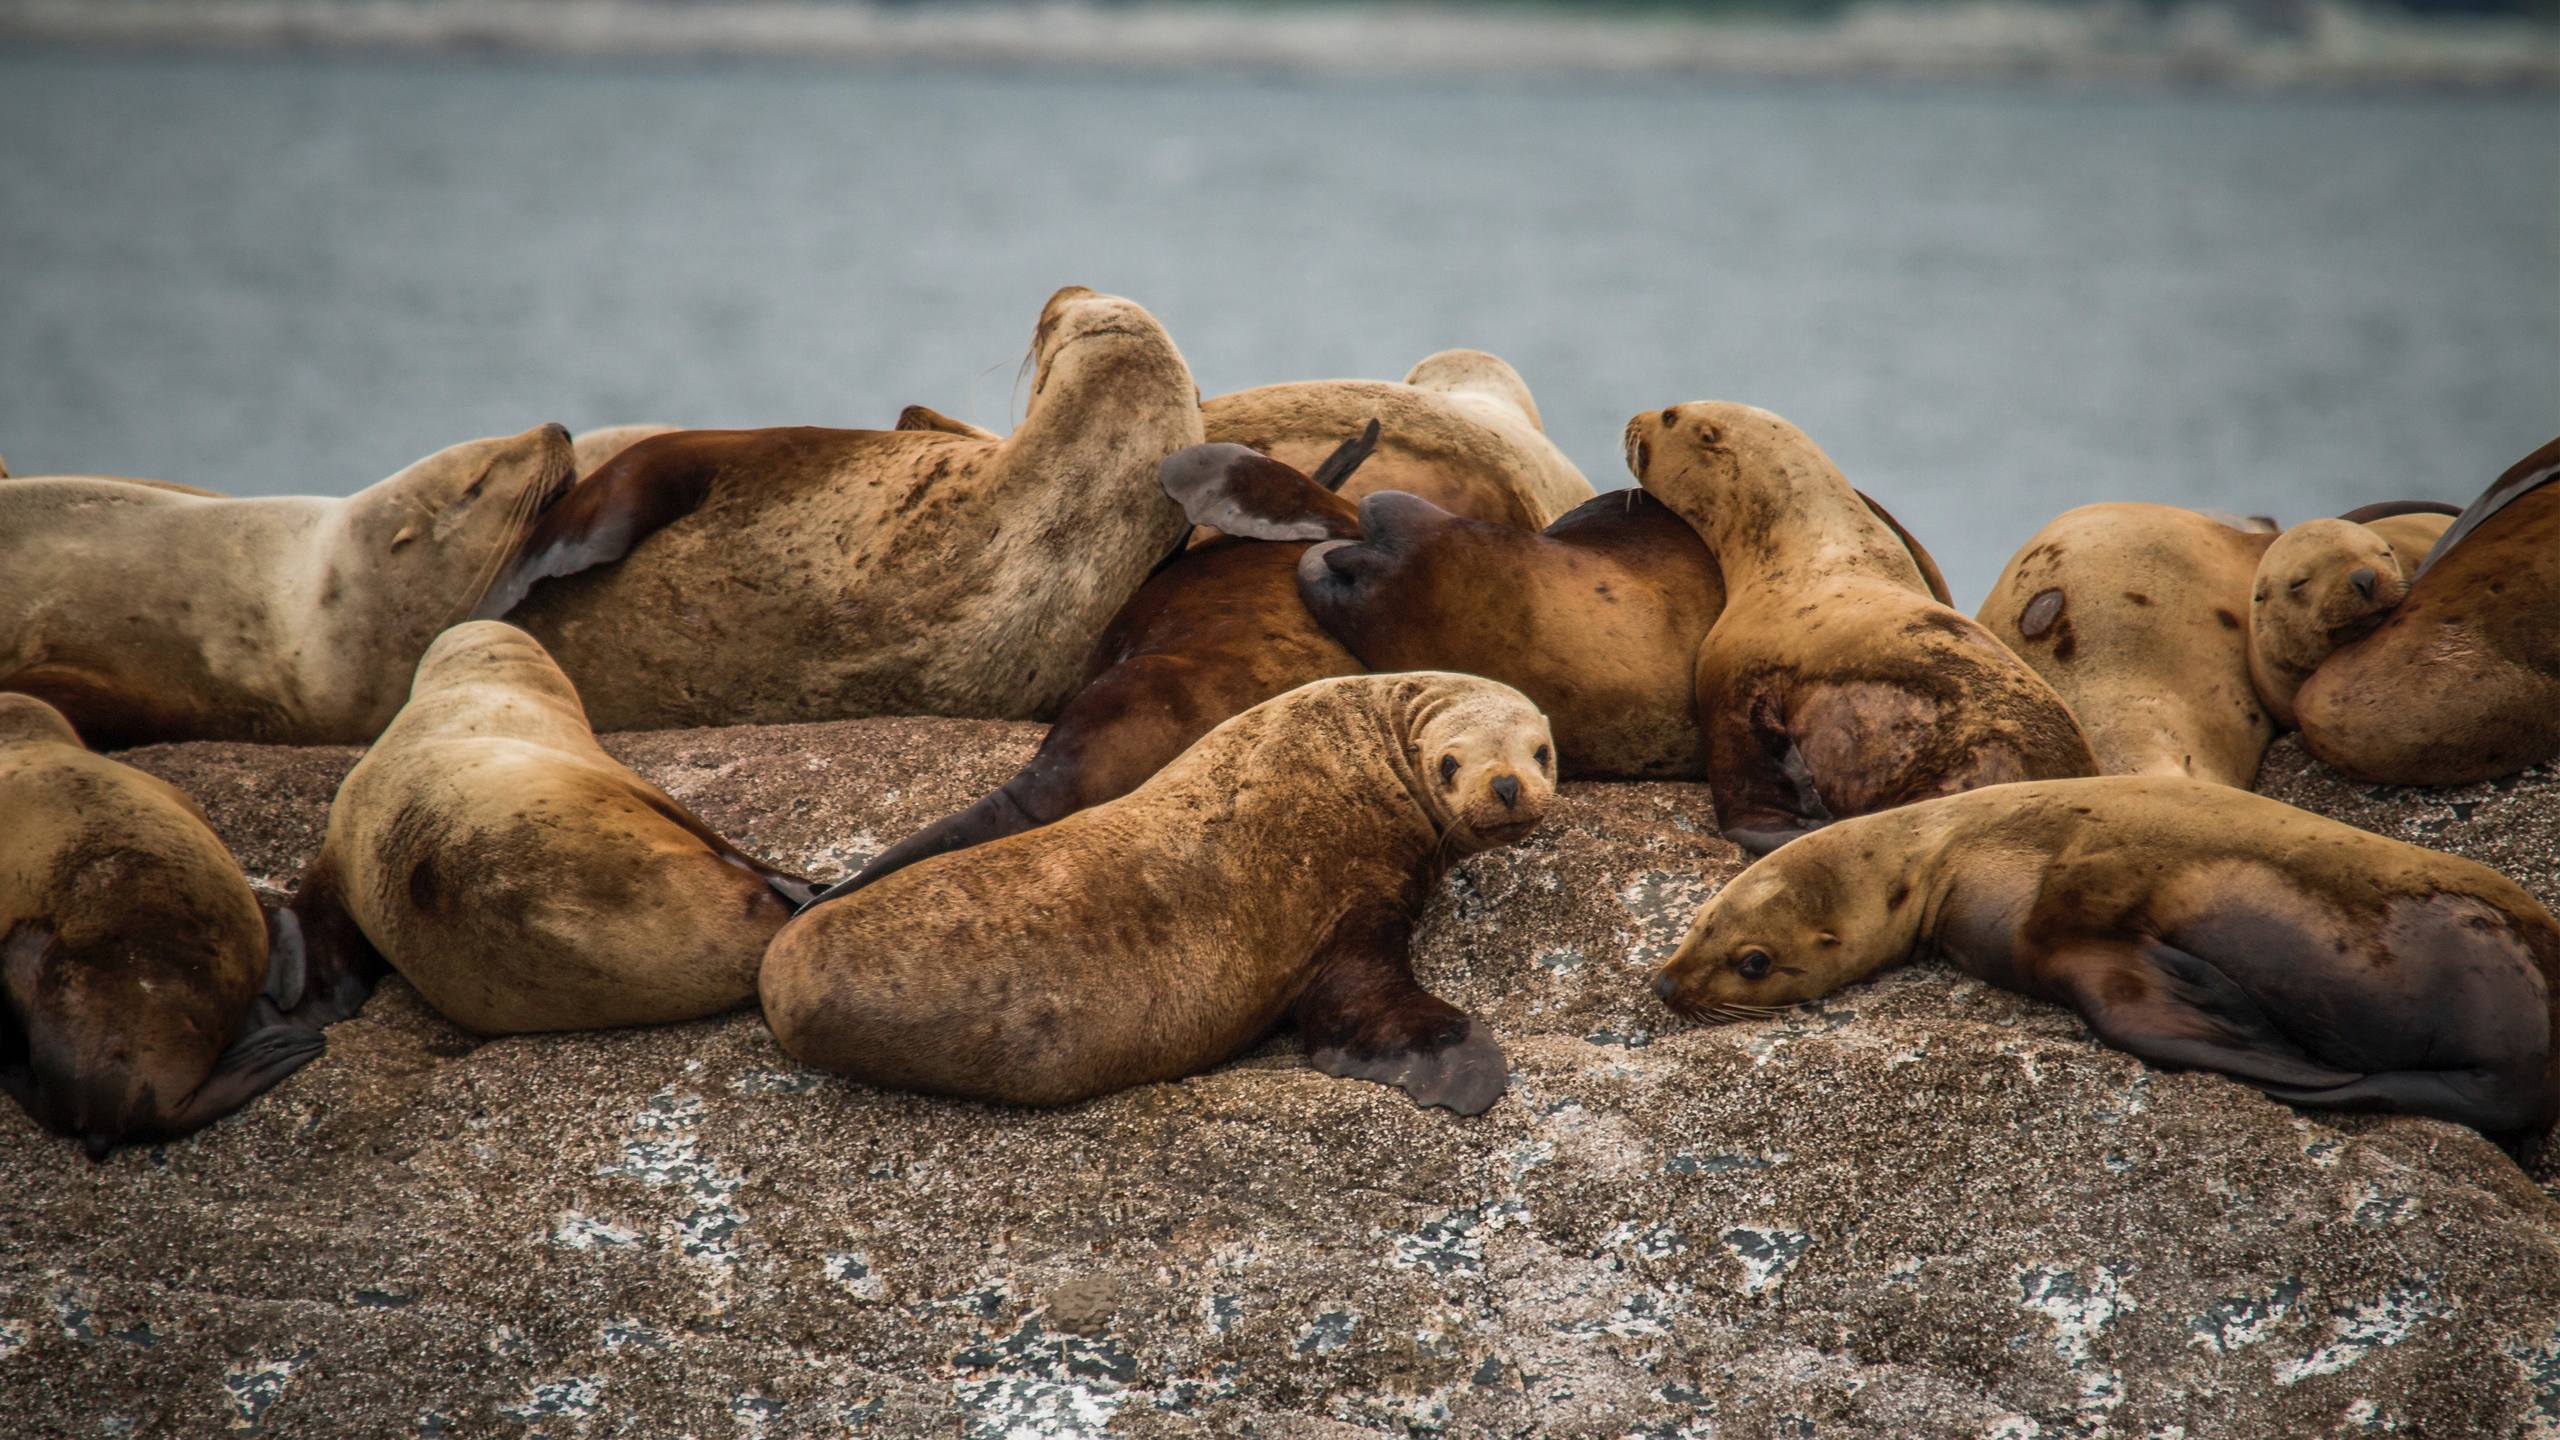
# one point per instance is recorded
(1364, 1017)
(2180, 1012)
(637, 493)
(1346, 457)
(1765, 790)
(339, 965)
(1243, 492)
(263, 1055)
(925, 417)
(2485, 1100)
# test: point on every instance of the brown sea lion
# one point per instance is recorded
(2194, 925)
(490, 851)
(1462, 432)
(141, 990)
(145, 614)
(2138, 616)
(1833, 683)
(807, 574)
(2462, 681)
(1273, 871)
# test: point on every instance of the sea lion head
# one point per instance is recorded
(2322, 584)
(24, 719)
(1484, 760)
(1793, 927)
(1480, 374)
(1084, 332)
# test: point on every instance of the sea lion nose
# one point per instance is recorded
(1507, 787)
(2363, 581)
(1664, 987)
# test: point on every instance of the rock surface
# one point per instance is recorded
(1925, 1208)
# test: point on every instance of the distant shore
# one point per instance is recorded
(2311, 44)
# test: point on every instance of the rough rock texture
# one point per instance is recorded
(1924, 1209)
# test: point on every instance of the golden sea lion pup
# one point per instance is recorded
(1833, 683)
(1461, 432)
(2462, 681)
(2194, 925)
(2324, 583)
(491, 852)
(807, 574)
(2138, 616)
(139, 991)
(1272, 872)
(146, 614)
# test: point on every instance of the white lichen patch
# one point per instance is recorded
(14, 1335)
(1641, 1242)
(616, 1336)
(1453, 1244)
(2379, 1208)
(1663, 903)
(1766, 1256)
(2360, 1330)
(2013, 1427)
(1328, 1332)
(1639, 1316)
(2541, 1366)
(571, 1397)
(254, 1386)
(662, 1153)
(2080, 1307)
(585, 1232)
(767, 1081)
(2235, 1322)
(852, 1270)
(1026, 1407)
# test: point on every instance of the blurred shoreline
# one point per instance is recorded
(2272, 44)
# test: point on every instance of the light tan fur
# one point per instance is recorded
(2322, 584)
(147, 614)
(1158, 934)
(893, 572)
(1461, 431)
(2137, 615)
(523, 879)
(594, 447)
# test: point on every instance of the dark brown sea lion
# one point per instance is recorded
(2194, 925)
(141, 990)
(1272, 872)
(2462, 681)
(521, 878)
(1833, 683)
(809, 574)
(2138, 616)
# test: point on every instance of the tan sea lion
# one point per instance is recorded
(807, 574)
(2138, 616)
(144, 613)
(2462, 681)
(2325, 583)
(2194, 925)
(1273, 871)
(490, 851)
(1462, 432)
(1833, 684)
(140, 990)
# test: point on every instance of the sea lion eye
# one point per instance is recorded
(1542, 757)
(2298, 584)
(1753, 963)
(1448, 768)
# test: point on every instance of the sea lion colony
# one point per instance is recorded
(1305, 646)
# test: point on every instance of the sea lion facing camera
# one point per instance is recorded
(2194, 925)
(2138, 616)
(2322, 584)
(140, 986)
(490, 851)
(1833, 684)
(147, 614)
(1273, 871)
(1462, 431)
(2462, 681)
(807, 574)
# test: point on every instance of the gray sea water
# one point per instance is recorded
(279, 273)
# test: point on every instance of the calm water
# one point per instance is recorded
(293, 274)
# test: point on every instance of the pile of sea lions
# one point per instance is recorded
(1302, 648)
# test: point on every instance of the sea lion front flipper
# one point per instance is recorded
(2487, 1101)
(263, 1056)
(1764, 789)
(925, 417)
(1364, 1017)
(1920, 556)
(2174, 1009)
(636, 494)
(798, 891)
(2527, 475)
(288, 967)
(339, 965)
(1240, 491)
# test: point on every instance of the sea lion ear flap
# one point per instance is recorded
(604, 517)
(1245, 493)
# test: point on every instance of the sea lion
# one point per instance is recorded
(1462, 432)
(1833, 683)
(594, 447)
(146, 614)
(490, 851)
(141, 990)
(2462, 681)
(1273, 870)
(807, 574)
(2138, 616)
(2325, 583)
(2194, 925)
(1597, 618)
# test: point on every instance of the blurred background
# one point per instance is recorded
(1999, 258)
